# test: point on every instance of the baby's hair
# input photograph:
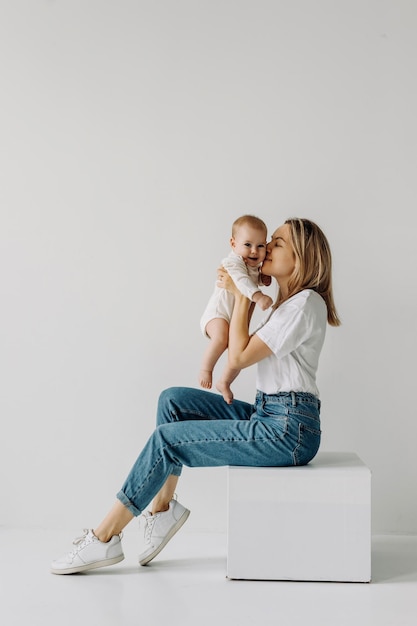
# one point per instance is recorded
(249, 220)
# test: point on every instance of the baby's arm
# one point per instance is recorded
(237, 269)
(262, 300)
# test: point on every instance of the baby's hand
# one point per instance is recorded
(264, 302)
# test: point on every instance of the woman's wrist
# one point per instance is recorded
(241, 301)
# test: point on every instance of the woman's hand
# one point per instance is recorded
(243, 350)
(225, 281)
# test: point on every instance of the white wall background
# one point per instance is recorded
(132, 134)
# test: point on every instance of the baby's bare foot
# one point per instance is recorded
(205, 379)
(224, 389)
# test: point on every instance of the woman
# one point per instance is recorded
(198, 429)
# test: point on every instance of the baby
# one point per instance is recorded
(248, 250)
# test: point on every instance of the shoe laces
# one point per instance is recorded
(150, 521)
(85, 539)
(82, 541)
(149, 524)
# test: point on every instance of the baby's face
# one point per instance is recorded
(250, 244)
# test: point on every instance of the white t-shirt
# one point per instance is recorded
(295, 333)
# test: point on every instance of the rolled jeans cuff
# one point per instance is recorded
(128, 504)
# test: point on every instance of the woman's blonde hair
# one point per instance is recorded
(313, 265)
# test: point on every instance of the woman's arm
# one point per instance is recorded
(243, 350)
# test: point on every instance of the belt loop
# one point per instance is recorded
(293, 400)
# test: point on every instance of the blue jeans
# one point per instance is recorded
(197, 428)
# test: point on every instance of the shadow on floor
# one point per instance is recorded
(394, 560)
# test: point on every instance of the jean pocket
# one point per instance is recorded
(308, 444)
(275, 417)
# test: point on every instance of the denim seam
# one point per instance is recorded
(162, 456)
(148, 477)
(180, 443)
(302, 427)
(204, 416)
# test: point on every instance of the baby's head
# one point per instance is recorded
(249, 239)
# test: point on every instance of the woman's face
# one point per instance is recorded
(280, 257)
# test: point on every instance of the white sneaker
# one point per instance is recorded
(89, 553)
(160, 528)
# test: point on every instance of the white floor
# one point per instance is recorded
(186, 585)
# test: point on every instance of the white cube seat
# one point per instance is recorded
(307, 523)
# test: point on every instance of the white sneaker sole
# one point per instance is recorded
(174, 529)
(88, 566)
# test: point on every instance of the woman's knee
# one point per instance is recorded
(163, 411)
(168, 403)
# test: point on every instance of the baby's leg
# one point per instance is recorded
(223, 385)
(218, 332)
